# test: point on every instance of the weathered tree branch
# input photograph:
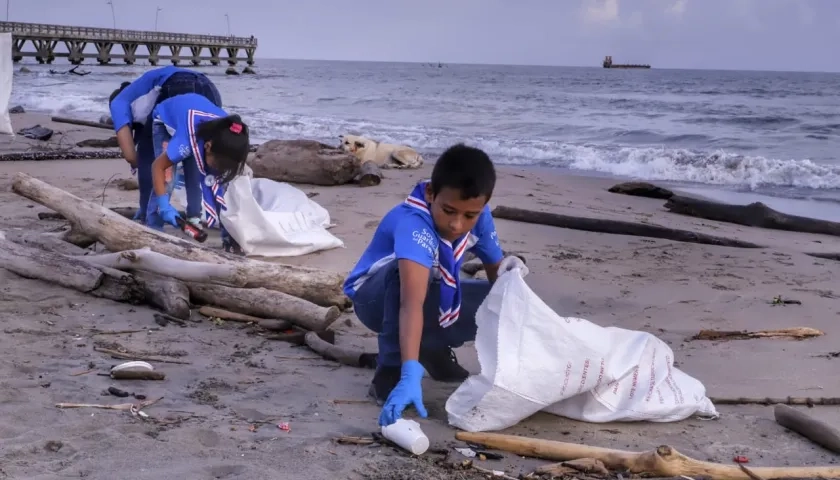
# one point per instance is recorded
(663, 462)
(261, 302)
(146, 260)
(118, 234)
(753, 215)
(616, 227)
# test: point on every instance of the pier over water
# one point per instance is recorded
(48, 40)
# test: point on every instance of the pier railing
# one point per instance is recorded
(93, 34)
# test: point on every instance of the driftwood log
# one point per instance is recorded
(168, 294)
(298, 336)
(342, 355)
(137, 375)
(47, 242)
(573, 468)
(127, 407)
(662, 462)
(753, 215)
(641, 189)
(43, 155)
(264, 323)
(47, 258)
(617, 227)
(71, 273)
(369, 175)
(261, 302)
(117, 234)
(127, 212)
(78, 238)
(146, 260)
(807, 401)
(796, 333)
(213, 312)
(83, 123)
(818, 432)
(129, 355)
(304, 161)
(826, 256)
(110, 142)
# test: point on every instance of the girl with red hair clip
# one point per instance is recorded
(211, 145)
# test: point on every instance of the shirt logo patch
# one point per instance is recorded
(426, 240)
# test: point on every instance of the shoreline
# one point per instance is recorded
(819, 203)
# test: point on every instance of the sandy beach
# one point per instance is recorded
(223, 407)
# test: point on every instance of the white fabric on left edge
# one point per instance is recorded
(6, 74)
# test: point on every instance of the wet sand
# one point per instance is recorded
(223, 408)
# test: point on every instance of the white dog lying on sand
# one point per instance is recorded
(385, 155)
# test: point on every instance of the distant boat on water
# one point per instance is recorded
(608, 63)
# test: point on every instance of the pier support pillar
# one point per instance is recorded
(17, 49)
(45, 50)
(250, 52)
(129, 53)
(103, 52)
(51, 50)
(76, 50)
(196, 55)
(233, 54)
(214, 55)
(176, 54)
(154, 53)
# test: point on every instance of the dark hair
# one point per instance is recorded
(464, 168)
(117, 92)
(229, 143)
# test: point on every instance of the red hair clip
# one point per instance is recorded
(236, 128)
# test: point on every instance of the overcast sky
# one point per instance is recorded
(727, 34)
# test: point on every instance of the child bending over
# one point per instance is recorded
(407, 287)
(211, 145)
(131, 108)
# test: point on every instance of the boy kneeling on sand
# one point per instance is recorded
(406, 285)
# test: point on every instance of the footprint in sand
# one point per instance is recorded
(207, 438)
(222, 471)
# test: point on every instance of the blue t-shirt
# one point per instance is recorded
(136, 101)
(406, 233)
(182, 114)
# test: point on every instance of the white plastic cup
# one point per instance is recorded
(408, 435)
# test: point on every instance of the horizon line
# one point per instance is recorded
(418, 62)
(652, 67)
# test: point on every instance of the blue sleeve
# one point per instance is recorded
(121, 106)
(487, 248)
(413, 240)
(180, 145)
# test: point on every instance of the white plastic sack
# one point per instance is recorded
(274, 219)
(533, 359)
(6, 72)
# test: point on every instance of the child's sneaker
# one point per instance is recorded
(442, 365)
(230, 246)
(384, 380)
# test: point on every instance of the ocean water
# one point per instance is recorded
(770, 134)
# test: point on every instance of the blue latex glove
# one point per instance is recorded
(407, 392)
(166, 211)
